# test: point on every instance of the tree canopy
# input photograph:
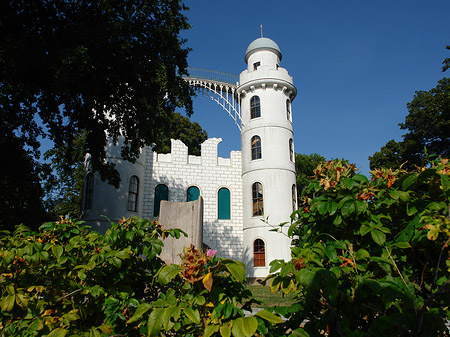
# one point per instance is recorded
(305, 165)
(427, 125)
(110, 68)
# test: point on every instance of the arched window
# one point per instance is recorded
(192, 193)
(288, 109)
(161, 193)
(257, 198)
(255, 107)
(259, 253)
(133, 189)
(256, 147)
(223, 204)
(89, 195)
(294, 198)
(291, 150)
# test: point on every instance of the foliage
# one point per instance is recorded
(207, 296)
(110, 68)
(68, 280)
(370, 257)
(427, 126)
(21, 192)
(304, 169)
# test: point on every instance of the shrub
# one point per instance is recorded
(370, 257)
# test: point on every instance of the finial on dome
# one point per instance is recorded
(261, 32)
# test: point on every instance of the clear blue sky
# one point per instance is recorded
(355, 64)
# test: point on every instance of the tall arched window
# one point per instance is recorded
(291, 150)
(89, 195)
(294, 198)
(133, 189)
(288, 109)
(259, 253)
(255, 107)
(257, 198)
(256, 147)
(223, 204)
(161, 193)
(192, 193)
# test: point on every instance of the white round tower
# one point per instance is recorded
(268, 167)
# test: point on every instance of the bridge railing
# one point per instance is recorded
(213, 75)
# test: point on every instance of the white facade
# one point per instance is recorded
(260, 180)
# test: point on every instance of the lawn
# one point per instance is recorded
(270, 299)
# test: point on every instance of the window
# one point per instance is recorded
(256, 147)
(294, 198)
(257, 198)
(291, 150)
(192, 193)
(223, 204)
(161, 193)
(256, 65)
(259, 253)
(89, 195)
(255, 107)
(288, 109)
(133, 194)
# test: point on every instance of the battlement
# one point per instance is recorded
(179, 154)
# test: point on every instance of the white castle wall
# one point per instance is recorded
(209, 173)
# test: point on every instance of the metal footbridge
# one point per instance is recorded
(220, 87)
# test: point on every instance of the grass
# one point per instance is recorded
(270, 299)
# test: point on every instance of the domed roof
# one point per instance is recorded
(262, 43)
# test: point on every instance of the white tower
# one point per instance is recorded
(268, 168)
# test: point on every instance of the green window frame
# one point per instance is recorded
(192, 193)
(161, 193)
(223, 204)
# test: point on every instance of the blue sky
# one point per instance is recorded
(355, 64)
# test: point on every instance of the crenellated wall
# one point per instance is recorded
(209, 173)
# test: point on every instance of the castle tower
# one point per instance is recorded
(268, 167)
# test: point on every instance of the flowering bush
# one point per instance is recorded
(371, 257)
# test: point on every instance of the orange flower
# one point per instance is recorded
(346, 262)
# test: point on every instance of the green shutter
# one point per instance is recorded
(161, 193)
(192, 193)
(224, 205)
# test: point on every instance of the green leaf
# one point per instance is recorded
(332, 207)
(245, 327)
(364, 229)
(58, 332)
(171, 312)
(57, 251)
(36, 325)
(236, 269)
(155, 322)
(268, 316)
(409, 181)
(404, 196)
(167, 273)
(322, 207)
(402, 245)
(210, 329)
(141, 309)
(348, 208)
(193, 315)
(394, 194)
(7, 303)
(225, 331)
(378, 236)
(361, 254)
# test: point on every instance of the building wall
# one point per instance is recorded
(209, 173)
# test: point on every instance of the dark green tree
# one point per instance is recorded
(305, 165)
(427, 126)
(108, 68)
(21, 192)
